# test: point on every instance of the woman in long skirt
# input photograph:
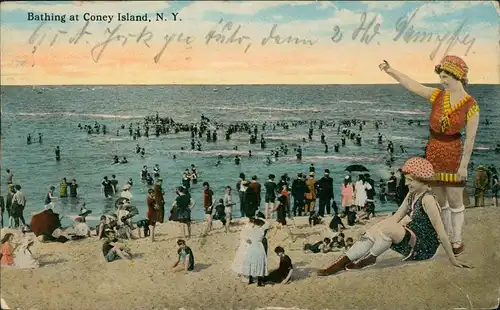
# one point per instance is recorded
(242, 250)
(255, 264)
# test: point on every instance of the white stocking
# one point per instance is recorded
(446, 217)
(457, 222)
(361, 247)
(382, 243)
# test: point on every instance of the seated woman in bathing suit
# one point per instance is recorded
(417, 240)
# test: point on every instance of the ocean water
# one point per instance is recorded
(56, 111)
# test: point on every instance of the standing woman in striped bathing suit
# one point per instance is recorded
(453, 110)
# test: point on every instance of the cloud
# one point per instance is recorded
(197, 9)
(383, 5)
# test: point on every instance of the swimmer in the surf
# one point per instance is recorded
(268, 160)
(116, 160)
(143, 152)
(58, 153)
(124, 160)
(149, 179)
(217, 163)
(156, 171)
(144, 172)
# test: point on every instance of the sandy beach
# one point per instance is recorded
(75, 275)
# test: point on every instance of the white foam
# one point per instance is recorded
(404, 112)
(43, 114)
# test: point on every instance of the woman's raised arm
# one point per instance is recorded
(407, 82)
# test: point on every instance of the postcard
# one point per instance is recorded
(249, 154)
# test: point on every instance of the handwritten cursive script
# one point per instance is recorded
(406, 31)
(225, 33)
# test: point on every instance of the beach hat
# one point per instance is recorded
(419, 167)
(453, 65)
(481, 167)
(126, 186)
(347, 177)
(299, 174)
(260, 215)
(327, 171)
(78, 219)
(84, 212)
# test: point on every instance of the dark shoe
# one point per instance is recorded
(367, 261)
(250, 280)
(459, 250)
(260, 281)
(337, 266)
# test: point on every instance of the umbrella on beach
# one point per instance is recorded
(356, 168)
(45, 222)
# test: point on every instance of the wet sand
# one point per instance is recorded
(75, 275)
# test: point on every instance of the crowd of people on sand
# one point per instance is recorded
(430, 212)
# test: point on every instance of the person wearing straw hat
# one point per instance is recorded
(126, 193)
(453, 111)
(84, 212)
(417, 240)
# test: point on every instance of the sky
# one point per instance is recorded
(245, 42)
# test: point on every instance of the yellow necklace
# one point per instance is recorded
(448, 109)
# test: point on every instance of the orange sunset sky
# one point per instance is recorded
(475, 25)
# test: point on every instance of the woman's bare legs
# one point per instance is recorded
(209, 223)
(457, 208)
(228, 221)
(122, 254)
(188, 225)
(269, 207)
(152, 232)
(442, 199)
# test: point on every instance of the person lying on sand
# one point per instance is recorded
(112, 249)
(185, 260)
(323, 246)
(417, 240)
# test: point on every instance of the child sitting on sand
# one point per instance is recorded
(144, 226)
(284, 272)
(81, 229)
(185, 260)
(113, 249)
(417, 240)
(102, 226)
(314, 219)
(335, 223)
